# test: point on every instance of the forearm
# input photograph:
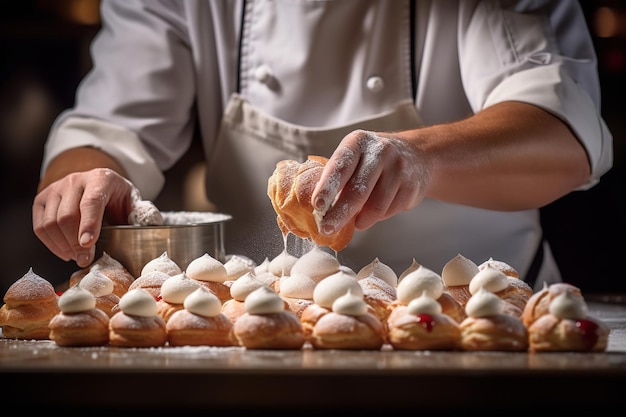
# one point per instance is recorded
(511, 156)
(77, 160)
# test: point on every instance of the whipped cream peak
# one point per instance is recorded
(350, 304)
(379, 270)
(458, 271)
(336, 285)
(412, 267)
(297, 286)
(138, 302)
(424, 304)
(483, 303)
(176, 288)
(244, 285)
(162, 263)
(569, 306)
(264, 300)
(490, 279)
(281, 264)
(203, 303)
(263, 267)
(76, 300)
(316, 263)
(106, 261)
(207, 268)
(237, 265)
(97, 283)
(417, 282)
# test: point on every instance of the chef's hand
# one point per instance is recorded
(68, 214)
(373, 176)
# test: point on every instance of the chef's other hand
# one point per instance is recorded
(372, 176)
(68, 214)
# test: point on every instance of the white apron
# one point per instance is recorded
(249, 145)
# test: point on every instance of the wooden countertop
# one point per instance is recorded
(170, 379)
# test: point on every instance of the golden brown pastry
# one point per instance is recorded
(451, 307)
(567, 327)
(501, 266)
(29, 304)
(110, 267)
(151, 282)
(266, 324)
(200, 323)
(488, 328)
(421, 325)
(350, 325)
(137, 323)
(290, 188)
(80, 322)
(539, 303)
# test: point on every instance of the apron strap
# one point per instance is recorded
(244, 5)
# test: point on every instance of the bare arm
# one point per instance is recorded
(511, 156)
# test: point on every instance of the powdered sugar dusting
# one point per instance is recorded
(192, 217)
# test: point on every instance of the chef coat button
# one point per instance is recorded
(375, 84)
(263, 74)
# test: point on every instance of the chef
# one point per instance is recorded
(448, 124)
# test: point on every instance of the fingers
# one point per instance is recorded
(370, 177)
(68, 214)
(45, 207)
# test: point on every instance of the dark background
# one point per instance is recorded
(44, 54)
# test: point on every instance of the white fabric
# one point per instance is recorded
(163, 66)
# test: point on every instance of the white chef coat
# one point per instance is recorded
(161, 67)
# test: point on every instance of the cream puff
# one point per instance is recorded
(350, 325)
(266, 324)
(200, 323)
(110, 267)
(234, 307)
(423, 279)
(290, 188)
(567, 327)
(513, 291)
(137, 323)
(538, 304)
(487, 328)
(423, 326)
(326, 292)
(80, 322)
(29, 305)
